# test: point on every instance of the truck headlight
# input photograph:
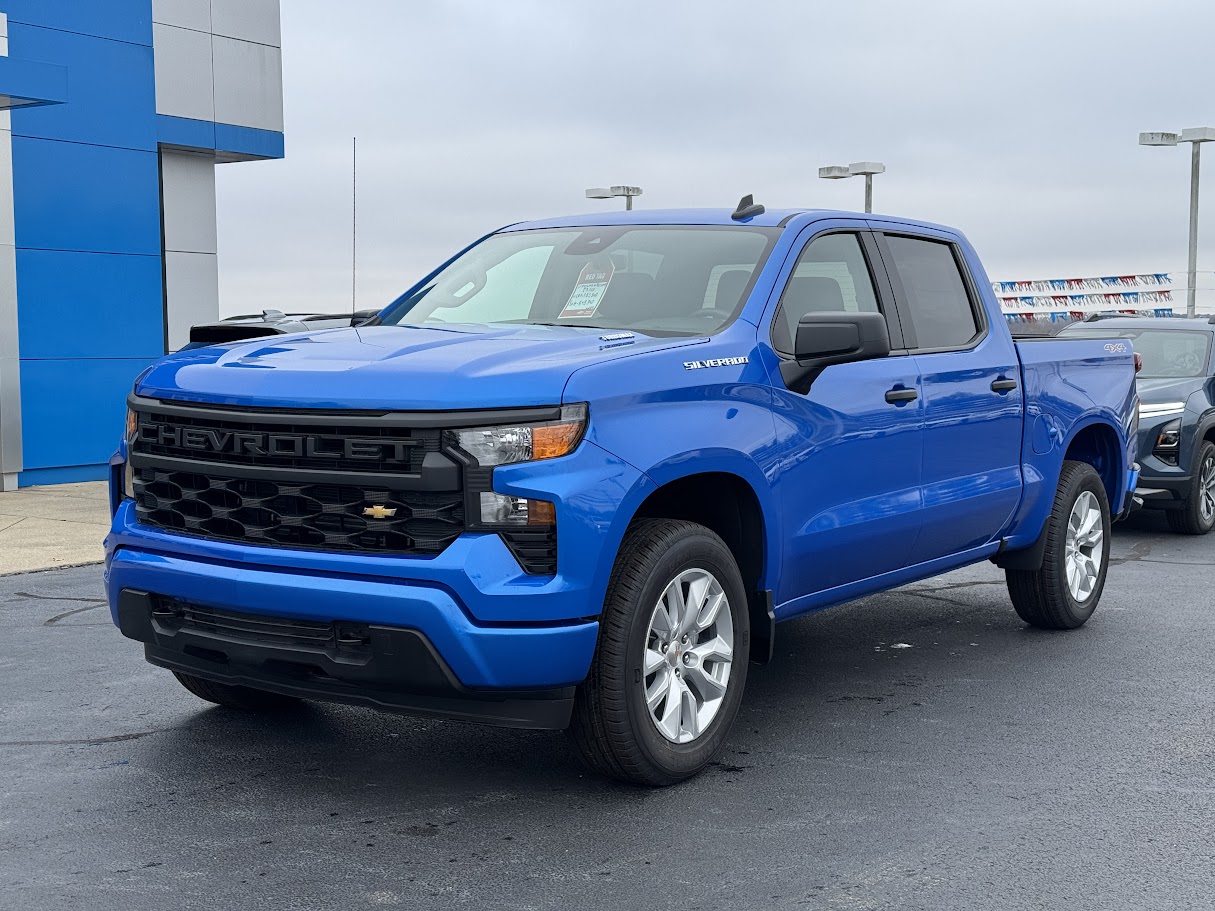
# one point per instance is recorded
(508, 444)
(128, 473)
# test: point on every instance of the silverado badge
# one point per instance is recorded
(379, 512)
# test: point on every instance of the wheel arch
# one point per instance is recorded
(740, 510)
(1099, 444)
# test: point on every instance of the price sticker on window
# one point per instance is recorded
(588, 293)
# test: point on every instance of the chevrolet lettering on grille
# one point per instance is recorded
(285, 445)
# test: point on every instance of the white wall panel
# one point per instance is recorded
(195, 14)
(247, 20)
(188, 199)
(184, 78)
(191, 293)
(248, 84)
(10, 362)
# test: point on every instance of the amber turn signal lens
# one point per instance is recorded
(132, 425)
(541, 512)
(552, 440)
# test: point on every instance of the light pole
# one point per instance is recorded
(856, 169)
(1196, 137)
(611, 192)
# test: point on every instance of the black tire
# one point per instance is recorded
(235, 697)
(1189, 520)
(1042, 597)
(612, 727)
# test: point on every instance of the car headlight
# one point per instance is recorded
(1168, 442)
(511, 443)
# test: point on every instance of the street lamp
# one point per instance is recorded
(1196, 137)
(611, 192)
(856, 169)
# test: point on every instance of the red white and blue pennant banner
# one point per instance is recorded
(1072, 285)
(1123, 300)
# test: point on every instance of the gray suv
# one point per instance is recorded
(1176, 414)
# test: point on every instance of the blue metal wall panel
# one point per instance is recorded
(87, 305)
(185, 132)
(94, 199)
(247, 141)
(121, 20)
(111, 89)
(225, 138)
(86, 395)
(31, 80)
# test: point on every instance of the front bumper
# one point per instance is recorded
(481, 656)
(384, 667)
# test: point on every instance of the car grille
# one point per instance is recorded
(295, 480)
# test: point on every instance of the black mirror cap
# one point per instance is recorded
(824, 339)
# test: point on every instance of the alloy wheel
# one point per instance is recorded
(1083, 547)
(689, 650)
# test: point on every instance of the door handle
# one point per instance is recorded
(1003, 384)
(901, 395)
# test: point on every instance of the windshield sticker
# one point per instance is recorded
(588, 293)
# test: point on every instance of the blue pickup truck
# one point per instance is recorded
(575, 476)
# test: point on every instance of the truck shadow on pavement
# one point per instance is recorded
(857, 680)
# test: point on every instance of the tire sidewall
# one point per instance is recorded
(1086, 481)
(696, 551)
(1205, 448)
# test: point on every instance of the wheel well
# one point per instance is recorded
(1210, 434)
(1097, 444)
(722, 502)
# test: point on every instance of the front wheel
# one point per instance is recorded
(1064, 591)
(1197, 514)
(668, 674)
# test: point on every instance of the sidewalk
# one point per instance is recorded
(47, 527)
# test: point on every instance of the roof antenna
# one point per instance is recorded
(747, 208)
(354, 232)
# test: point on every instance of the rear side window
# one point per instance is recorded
(831, 275)
(937, 301)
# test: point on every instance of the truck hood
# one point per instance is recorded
(394, 367)
(1154, 390)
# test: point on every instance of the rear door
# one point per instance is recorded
(850, 446)
(973, 404)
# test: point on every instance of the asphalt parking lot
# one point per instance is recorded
(983, 765)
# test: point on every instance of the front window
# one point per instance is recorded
(1165, 352)
(657, 280)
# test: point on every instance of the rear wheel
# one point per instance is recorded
(1064, 591)
(235, 697)
(1197, 514)
(671, 664)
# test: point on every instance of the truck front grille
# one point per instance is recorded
(260, 628)
(340, 483)
(331, 517)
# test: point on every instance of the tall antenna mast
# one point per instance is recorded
(354, 231)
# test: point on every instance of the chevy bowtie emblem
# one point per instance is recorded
(379, 512)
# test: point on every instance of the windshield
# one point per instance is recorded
(656, 280)
(1165, 352)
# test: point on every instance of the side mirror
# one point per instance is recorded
(840, 337)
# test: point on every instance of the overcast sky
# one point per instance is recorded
(1015, 121)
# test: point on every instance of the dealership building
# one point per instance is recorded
(113, 116)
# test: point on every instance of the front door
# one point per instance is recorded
(851, 446)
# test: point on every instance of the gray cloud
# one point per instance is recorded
(1015, 122)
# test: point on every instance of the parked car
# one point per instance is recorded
(575, 476)
(1176, 414)
(269, 323)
